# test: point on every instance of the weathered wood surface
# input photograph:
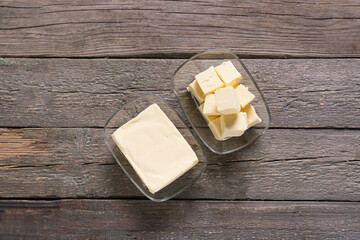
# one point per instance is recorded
(285, 164)
(302, 93)
(69, 100)
(167, 28)
(138, 219)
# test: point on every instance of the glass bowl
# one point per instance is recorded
(185, 74)
(131, 110)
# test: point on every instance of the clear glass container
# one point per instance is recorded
(131, 110)
(185, 74)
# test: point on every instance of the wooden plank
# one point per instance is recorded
(143, 219)
(137, 28)
(285, 164)
(302, 93)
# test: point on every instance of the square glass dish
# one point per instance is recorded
(185, 74)
(131, 110)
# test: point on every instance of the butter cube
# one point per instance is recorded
(210, 108)
(196, 91)
(215, 127)
(244, 95)
(227, 101)
(228, 73)
(208, 118)
(209, 81)
(233, 125)
(252, 117)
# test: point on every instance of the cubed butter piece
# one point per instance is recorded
(227, 101)
(210, 108)
(252, 117)
(196, 91)
(209, 81)
(233, 125)
(155, 148)
(228, 73)
(244, 95)
(208, 118)
(215, 127)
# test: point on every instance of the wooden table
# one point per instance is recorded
(66, 66)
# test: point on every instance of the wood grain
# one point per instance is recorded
(179, 29)
(138, 219)
(311, 153)
(285, 164)
(301, 93)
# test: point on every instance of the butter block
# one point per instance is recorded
(209, 81)
(215, 127)
(233, 125)
(155, 148)
(210, 108)
(228, 73)
(244, 95)
(252, 117)
(196, 91)
(207, 117)
(227, 101)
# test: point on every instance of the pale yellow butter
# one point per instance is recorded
(252, 117)
(244, 95)
(207, 117)
(227, 101)
(196, 91)
(215, 127)
(155, 148)
(210, 108)
(209, 81)
(233, 125)
(228, 73)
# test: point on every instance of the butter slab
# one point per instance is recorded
(155, 148)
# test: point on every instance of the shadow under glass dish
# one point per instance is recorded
(131, 110)
(185, 74)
